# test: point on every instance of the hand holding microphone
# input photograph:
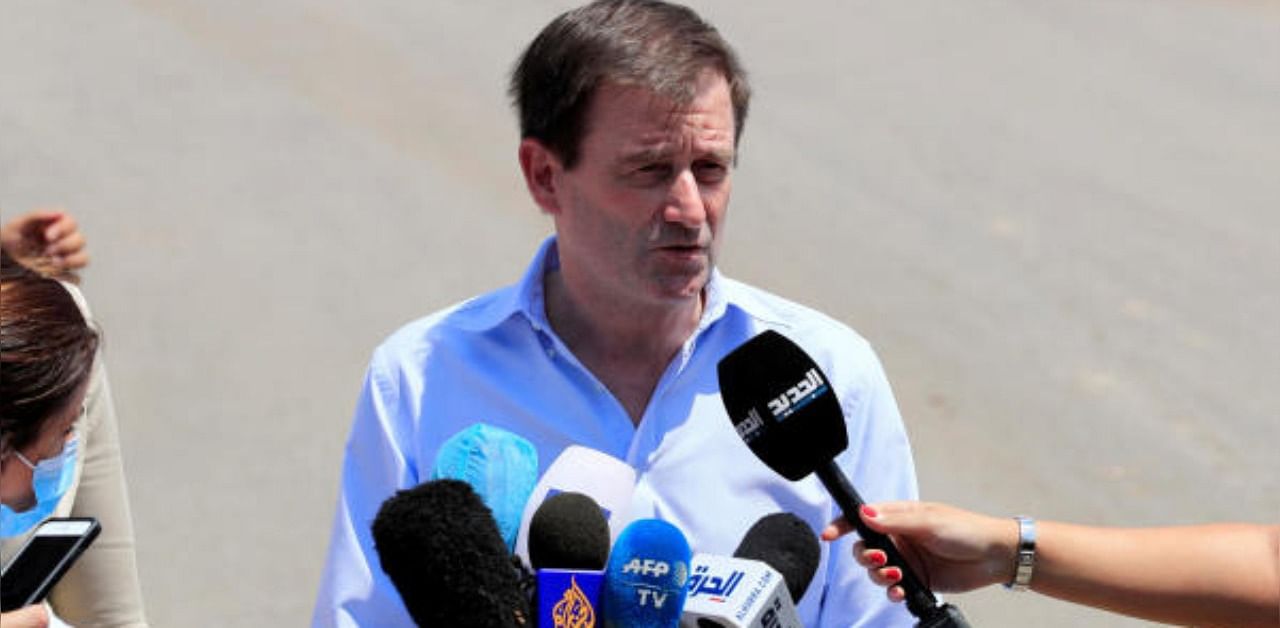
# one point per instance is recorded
(959, 550)
(784, 409)
(1225, 574)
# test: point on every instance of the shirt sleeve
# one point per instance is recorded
(102, 588)
(354, 591)
(879, 464)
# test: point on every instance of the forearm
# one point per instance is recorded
(1204, 575)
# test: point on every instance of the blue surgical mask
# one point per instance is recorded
(50, 479)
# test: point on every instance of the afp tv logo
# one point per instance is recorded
(656, 580)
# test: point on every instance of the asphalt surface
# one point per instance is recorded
(1058, 222)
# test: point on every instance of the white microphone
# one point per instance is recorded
(603, 478)
(727, 592)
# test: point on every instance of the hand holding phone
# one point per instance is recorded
(44, 559)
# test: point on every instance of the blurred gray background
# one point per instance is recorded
(1058, 222)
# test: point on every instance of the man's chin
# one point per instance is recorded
(681, 287)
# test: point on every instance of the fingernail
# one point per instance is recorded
(879, 559)
(868, 512)
(893, 574)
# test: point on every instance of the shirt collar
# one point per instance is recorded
(528, 298)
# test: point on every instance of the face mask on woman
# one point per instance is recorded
(50, 480)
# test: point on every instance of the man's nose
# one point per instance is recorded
(684, 203)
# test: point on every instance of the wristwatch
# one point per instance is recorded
(1025, 560)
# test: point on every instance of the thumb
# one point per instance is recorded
(32, 616)
(902, 518)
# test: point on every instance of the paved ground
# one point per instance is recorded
(1057, 221)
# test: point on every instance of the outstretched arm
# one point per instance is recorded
(1212, 575)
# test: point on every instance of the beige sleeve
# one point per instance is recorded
(102, 588)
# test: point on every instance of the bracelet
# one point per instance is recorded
(1025, 560)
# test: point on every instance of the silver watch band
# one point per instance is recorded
(1025, 560)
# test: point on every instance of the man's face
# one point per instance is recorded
(639, 215)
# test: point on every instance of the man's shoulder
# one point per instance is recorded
(455, 322)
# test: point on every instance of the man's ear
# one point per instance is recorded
(541, 170)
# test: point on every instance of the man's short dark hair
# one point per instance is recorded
(656, 45)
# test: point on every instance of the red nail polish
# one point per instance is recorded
(879, 559)
(894, 574)
(868, 512)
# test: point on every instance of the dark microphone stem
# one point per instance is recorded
(920, 600)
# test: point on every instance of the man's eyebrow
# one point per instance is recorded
(726, 155)
(649, 155)
(646, 155)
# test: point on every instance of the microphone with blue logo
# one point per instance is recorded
(646, 579)
(568, 546)
(761, 584)
(782, 406)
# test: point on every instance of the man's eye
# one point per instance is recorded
(710, 171)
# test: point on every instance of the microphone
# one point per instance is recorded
(786, 543)
(736, 592)
(500, 466)
(782, 406)
(771, 568)
(440, 546)
(568, 545)
(603, 478)
(646, 577)
(568, 531)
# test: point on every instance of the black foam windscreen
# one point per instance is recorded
(441, 548)
(782, 405)
(786, 543)
(568, 531)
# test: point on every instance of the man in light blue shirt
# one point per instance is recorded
(630, 112)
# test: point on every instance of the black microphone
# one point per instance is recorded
(769, 572)
(441, 548)
(569, 531)
(783, 407)
(786, 543)
(569, 546)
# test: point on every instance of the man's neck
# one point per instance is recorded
(626, 345)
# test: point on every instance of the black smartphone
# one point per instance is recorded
(43, 560)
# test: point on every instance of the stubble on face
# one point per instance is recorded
(647, 199)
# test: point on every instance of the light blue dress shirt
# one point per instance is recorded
(495, 359)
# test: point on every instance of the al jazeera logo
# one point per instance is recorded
(574, 609)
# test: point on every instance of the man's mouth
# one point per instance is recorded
(683, 248)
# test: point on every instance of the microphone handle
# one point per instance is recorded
(920, 600)
(947, 616)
